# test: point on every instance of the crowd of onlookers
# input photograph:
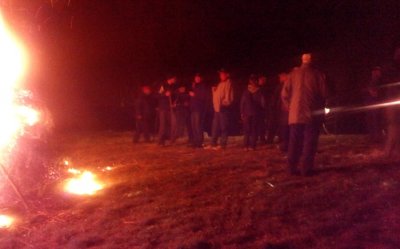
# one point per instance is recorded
(174, 111)
(291, 110)
(285, 110)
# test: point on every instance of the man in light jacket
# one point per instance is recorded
(304, 94)
(222, 95)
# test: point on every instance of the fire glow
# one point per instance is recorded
(84, 183)
(14, 115)
(6, 221)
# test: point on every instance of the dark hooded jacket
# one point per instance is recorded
(252, 102)
(199, 102)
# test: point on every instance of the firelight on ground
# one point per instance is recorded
(84, 184)
(6, 221)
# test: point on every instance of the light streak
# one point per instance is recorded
(344, 109)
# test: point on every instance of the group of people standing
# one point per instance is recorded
(289, 110)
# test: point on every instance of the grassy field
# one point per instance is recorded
(177, 197)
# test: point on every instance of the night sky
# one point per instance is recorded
(112, 46)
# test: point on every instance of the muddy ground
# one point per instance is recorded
(178, 197)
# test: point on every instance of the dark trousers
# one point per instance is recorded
(272, 129)
(183, 123)
(374, 125)
(142, 128)
(167, 126)
(303, 144)
(262, 130)
(251, 129)
(197, 119)
(284, 132)
(220, 128)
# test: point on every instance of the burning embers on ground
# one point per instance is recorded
(82, 182)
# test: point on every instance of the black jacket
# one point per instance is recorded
(145, 106)
(165, 102)
(252, 103)
(201, 98)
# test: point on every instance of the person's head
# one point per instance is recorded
(182, 89)
(223, 75)
(262, 80)
(376, 73)
(146, 89)
(253, 79)
(306, 59)
(171, 79)
(396, 56)
(253, 86)
(198, 78)
(283, 77)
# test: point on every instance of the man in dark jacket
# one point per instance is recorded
(182, 111)
(391, 74)
(262, 83)
(252, 106)
(199, 98)
(304, 94)
(167, 116)
(144, 114)
(283, 115)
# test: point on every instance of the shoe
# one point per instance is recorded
(208, 147)
(216, 148)
(294, 172)
(308, 173)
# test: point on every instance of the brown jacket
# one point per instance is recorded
(303, 93)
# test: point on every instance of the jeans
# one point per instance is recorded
(303, 143)
(167, 126)
(197, 119)
(220, 128)
(142, 127)
(183, 123)
(251, 129)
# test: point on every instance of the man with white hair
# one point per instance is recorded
(304, 93)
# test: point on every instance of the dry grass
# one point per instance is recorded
(176, 197)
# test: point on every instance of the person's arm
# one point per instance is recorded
(263, 102)
(323, 88)
(138, 107)
(286, 93)
(242, 103)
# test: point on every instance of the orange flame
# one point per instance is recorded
(6, 221)
(15, 117)
(84, 184)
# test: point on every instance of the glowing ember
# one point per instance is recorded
(74, 171)
(6, 221)
(108, 168)
(66, 162)
(84, 184)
